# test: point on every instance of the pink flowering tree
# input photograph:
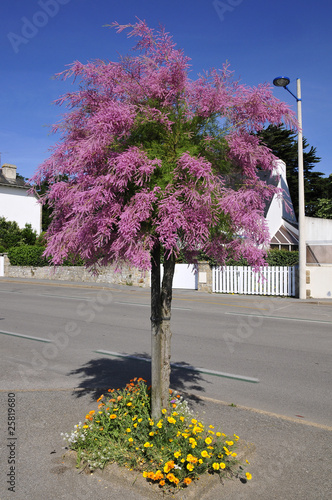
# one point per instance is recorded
(152, 164)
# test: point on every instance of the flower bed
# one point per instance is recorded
(171, 452)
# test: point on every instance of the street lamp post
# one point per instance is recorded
(283, 81)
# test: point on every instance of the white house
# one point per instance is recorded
(279, 213)
(16, 204)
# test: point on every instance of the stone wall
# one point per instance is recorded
(126, 275)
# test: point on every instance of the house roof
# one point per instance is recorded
(19, 183)
(284, 236)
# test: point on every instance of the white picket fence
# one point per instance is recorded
(271, 280)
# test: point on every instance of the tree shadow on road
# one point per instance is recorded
(99, 375)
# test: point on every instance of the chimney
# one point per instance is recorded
(9, 171)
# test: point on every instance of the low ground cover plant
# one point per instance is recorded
(171, 452)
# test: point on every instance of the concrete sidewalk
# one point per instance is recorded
(289, 459)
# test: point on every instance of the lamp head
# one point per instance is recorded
(281, 81)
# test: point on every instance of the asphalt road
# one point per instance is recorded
(271, 354)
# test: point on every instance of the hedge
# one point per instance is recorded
(27, 255)
(32, 255)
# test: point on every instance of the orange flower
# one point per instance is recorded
(187, 480)
(100, 398)
(169, 465)
(162, 482)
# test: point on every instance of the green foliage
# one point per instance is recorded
(27, 255)
(11, 235)
(324, 208)
(276, 257)
(171, 452)
(32, 255)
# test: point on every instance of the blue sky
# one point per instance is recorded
(261, 39)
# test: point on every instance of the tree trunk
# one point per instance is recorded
(161, 299)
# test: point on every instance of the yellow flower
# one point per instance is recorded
(129, 404)
(174, 414)
(248, 476)
(216, 466)
(182, 419)
(85, 426)
(208, 440)
(148, 445)
(229, 443)
(204, 454)
(210, 432)
(171, 420)
(236, 437)
(130, 440)
(218, 434)
(169, 466)
(222, 465)
(177, 454)
(160, 424)
(134, 418)
(145, 474)
(163, 411)
(135, 425)
(234, 454)
(151, 433)
(151, 422)
(113, 416)
(200, 461)
(171, 477)
(247, 461)
(190, 467)
(194, 421)
(139, 420)
(128, 430)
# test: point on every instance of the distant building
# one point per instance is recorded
(16, 204)
(279, 212)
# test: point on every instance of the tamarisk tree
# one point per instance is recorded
(151, 164)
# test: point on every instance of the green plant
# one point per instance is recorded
(27, 255)
(171, 452)
(11, 235)
(277, 257)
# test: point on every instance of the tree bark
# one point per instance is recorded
(161, 299)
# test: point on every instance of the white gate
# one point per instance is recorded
(272, 280)
(2, 265)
